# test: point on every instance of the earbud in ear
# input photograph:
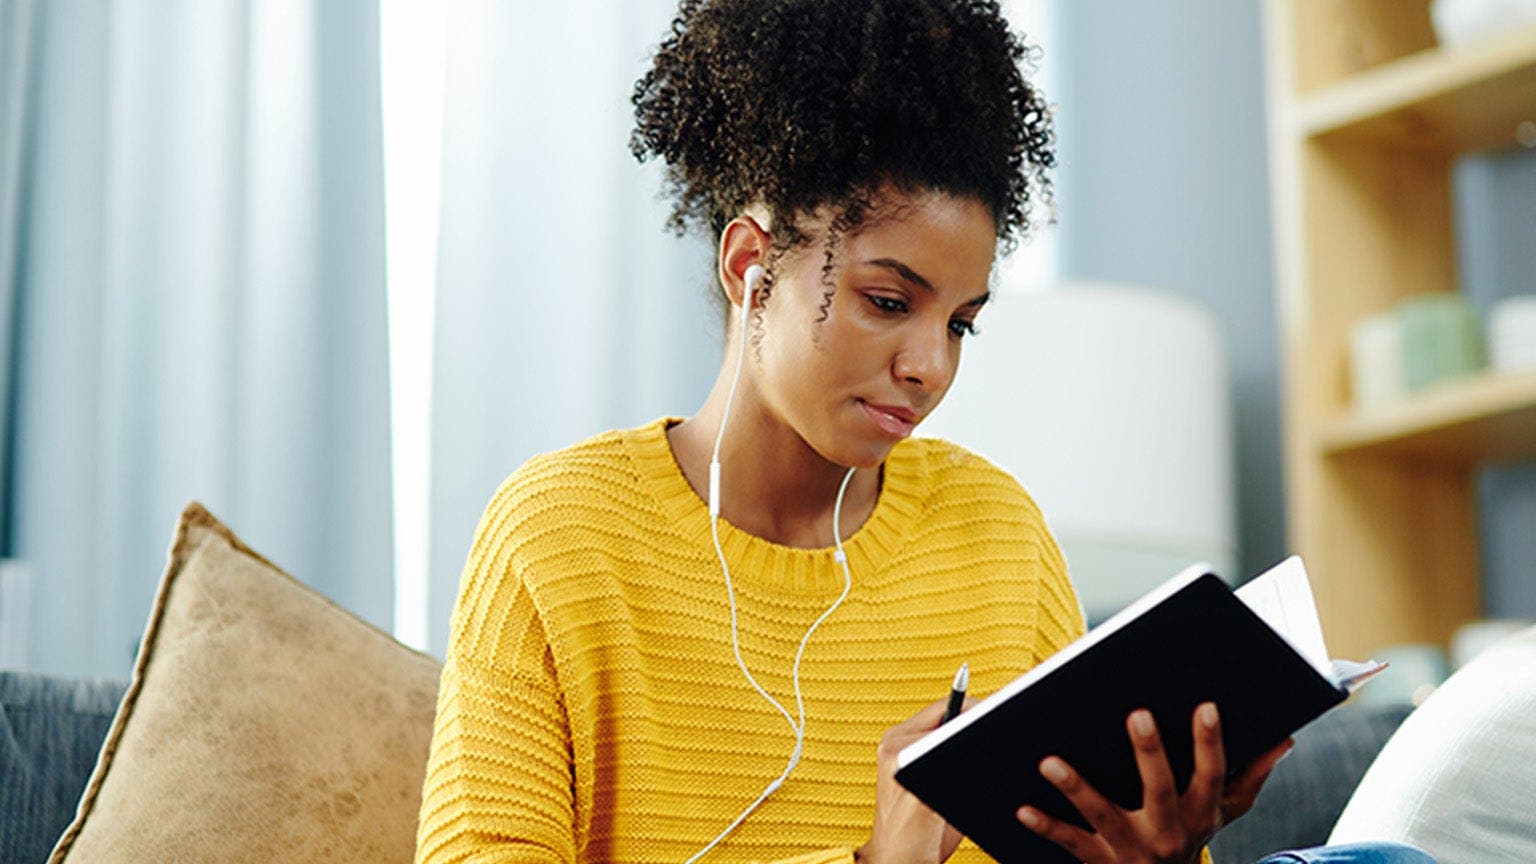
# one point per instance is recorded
(754, 277)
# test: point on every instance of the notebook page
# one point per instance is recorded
(1282, 597)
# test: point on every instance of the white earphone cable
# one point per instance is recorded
(797, 722)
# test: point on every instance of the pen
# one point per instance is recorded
(957, 693)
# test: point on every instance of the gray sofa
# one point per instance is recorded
(52, 728)
(1309, 788)
(50, 732)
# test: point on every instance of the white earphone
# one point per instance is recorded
(754, 278)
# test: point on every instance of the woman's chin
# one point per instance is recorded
(852, 445)
(865, 458)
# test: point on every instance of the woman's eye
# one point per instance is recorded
(887, 304)
(962, 327)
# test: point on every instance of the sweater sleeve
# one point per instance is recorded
(1061, 619)
(498, 786)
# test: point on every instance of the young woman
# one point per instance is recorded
(653, 659)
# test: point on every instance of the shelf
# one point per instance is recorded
(1380, 503)
(1451, 100)
(1487, 418)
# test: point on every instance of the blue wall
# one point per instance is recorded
(1164, 182)
(1496, 222)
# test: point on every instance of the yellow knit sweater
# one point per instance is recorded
(591, 709)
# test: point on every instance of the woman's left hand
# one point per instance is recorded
(1169, 828)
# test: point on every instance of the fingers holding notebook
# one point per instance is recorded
(1170, 827)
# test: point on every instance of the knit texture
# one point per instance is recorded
(590, 706)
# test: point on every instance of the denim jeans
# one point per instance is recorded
(1352, 853)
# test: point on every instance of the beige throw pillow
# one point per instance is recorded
(263, 723)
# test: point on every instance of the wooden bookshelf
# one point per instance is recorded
(1454, 101)
(1486, 418)
(1367, 118)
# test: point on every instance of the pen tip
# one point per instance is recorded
(962, 677)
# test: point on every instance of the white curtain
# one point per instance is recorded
(191, 274)
(563, 307)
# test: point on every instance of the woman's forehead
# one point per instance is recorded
(944, 238)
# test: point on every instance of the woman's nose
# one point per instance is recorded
(926, 359)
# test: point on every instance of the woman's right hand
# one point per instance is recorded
(906, 830)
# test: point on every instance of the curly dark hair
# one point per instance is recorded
(802, 104)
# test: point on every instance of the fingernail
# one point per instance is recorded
(1208, 715)
(1141, 721)
(1029, 817)
(1054, 770)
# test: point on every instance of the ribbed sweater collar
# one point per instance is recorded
(755, 561)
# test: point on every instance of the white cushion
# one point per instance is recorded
(1459, 778)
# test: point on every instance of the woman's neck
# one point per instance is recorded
(773, 485)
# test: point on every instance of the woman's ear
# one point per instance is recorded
(743, 243)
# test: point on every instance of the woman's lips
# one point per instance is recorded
(893, 420)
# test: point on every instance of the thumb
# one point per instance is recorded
(930, 717)
(952, 838)
(927, 719)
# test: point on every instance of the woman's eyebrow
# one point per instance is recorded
(904, 272)
(917, 279)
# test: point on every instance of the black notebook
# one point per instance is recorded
(1191, 640)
